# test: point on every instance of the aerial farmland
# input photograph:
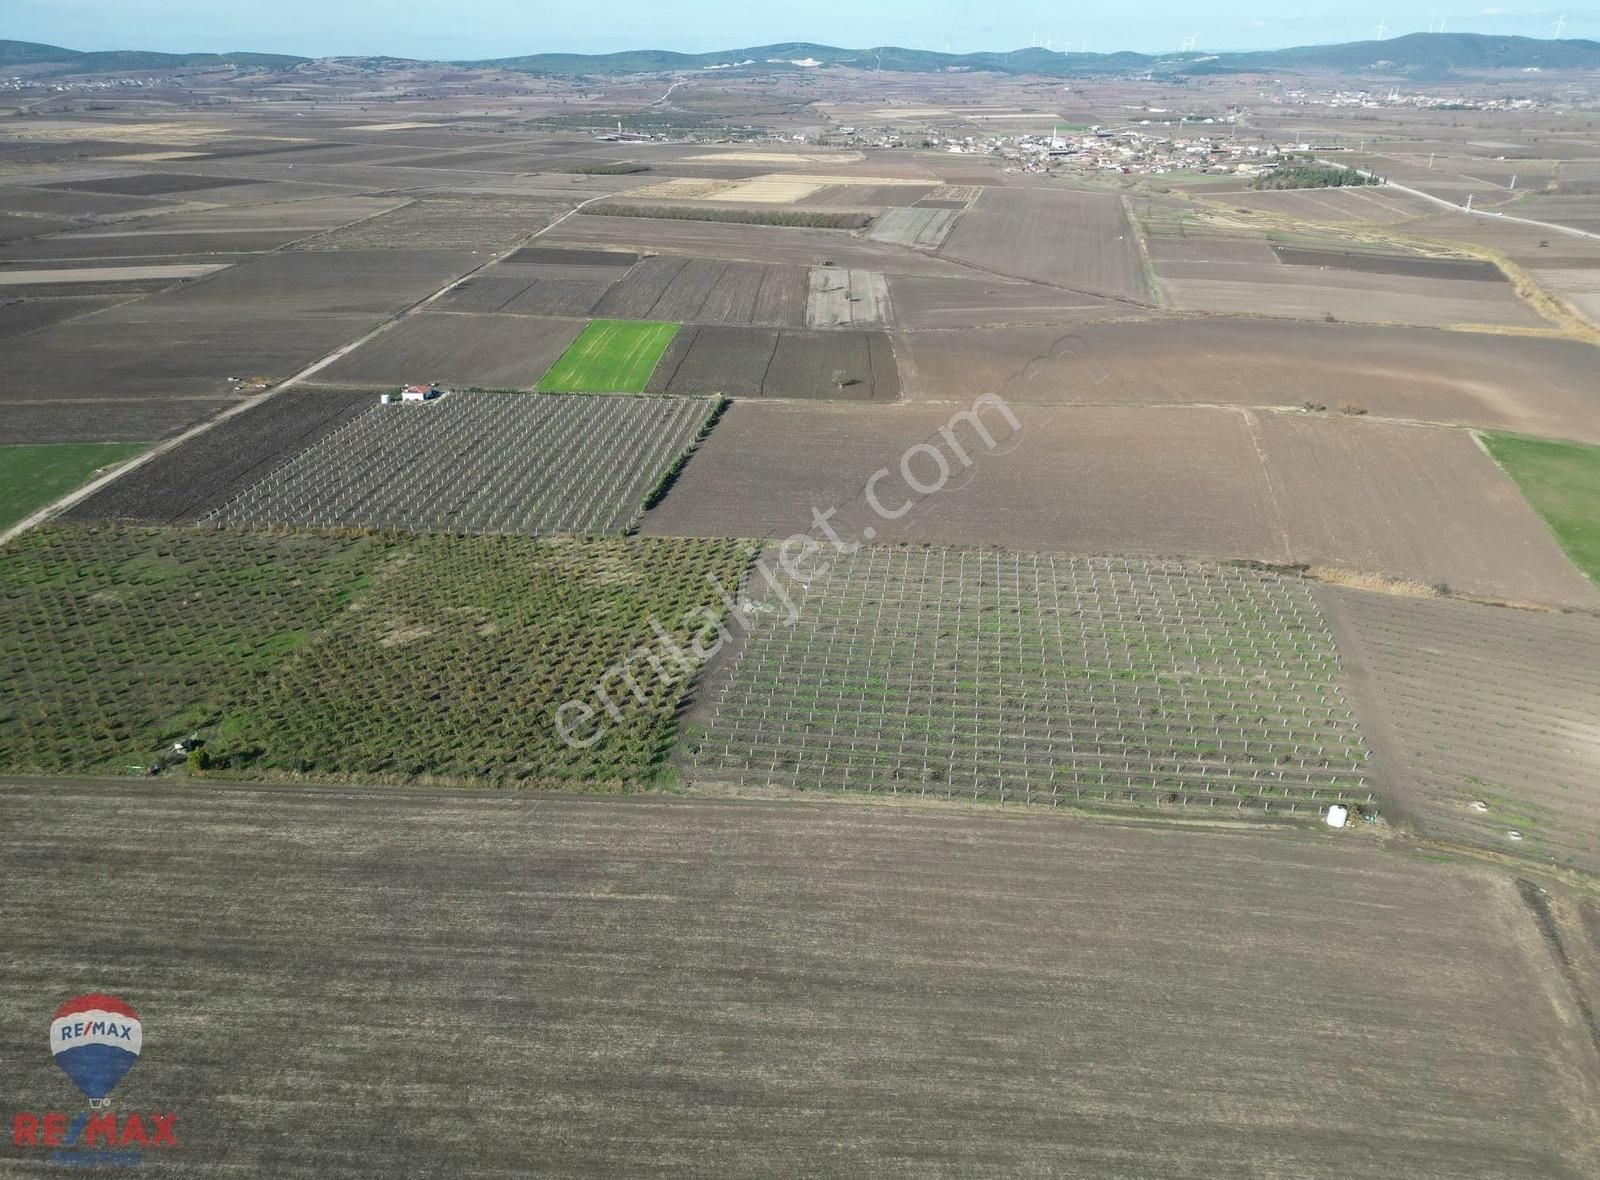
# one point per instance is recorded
(944, 614)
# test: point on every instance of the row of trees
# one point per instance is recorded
(1314, 175)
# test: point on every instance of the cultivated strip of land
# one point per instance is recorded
(782, 988)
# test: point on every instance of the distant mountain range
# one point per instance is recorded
(1415, 55)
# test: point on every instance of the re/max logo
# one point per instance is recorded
(91, 1028)
(55, 1129)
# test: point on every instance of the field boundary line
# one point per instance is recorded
(83, 493)
(1152, 280)
(1279, 523)
(1390, 770)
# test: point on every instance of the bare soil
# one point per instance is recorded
(494, 351)
(1418, 503)
(781, 988)
(767, 363)
(146, 184)
(1090, 480)
(1414, 501)
(709, 291)
(1524, 384)
(1347, 294)
(1078, 240)
(206, 472)
(749, 243)
(1392, 264)
(1493, 706)
(990, 301)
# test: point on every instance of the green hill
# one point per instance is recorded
(1428, 53)
(1415, 55)
(72, 61)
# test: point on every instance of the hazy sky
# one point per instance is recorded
(500, 28)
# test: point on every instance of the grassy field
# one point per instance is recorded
(610, 356)
(1562, 482)
(385, 656)
(32, 476)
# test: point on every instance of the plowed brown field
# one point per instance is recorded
(1528, 385)
(1483, 704)
(781, 988)
(1078, 240)
(1418, 503)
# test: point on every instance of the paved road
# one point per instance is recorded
(1550, 225)
(1492, 215)
(339, 982)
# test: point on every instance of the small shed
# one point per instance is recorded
(419, 393)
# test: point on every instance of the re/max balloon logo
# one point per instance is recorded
(95, 1039)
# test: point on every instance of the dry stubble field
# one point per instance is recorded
(526, 984)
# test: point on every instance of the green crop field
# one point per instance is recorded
(384, 657)
(32, 476)
(609, 356)
(1562, 482)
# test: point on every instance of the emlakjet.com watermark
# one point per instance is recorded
(985, 429)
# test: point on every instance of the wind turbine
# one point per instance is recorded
(1560, 23)
(1382, 27)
